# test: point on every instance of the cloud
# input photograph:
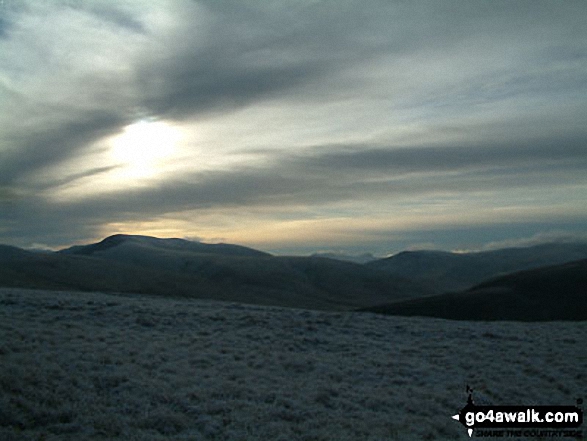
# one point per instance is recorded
(49, 146)
(544, 237)
(447, 158)
(63, 77)
(426, 185)
(239, 53)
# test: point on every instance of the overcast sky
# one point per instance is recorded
(294, 126)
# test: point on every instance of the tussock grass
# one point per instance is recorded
(103, 366)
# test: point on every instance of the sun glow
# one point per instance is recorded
(143, 147)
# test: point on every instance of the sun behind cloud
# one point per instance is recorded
(142, 147)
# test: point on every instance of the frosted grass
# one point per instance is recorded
(104, 366)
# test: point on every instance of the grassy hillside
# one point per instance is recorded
(91, 366)
(550, 293)
(85, 273)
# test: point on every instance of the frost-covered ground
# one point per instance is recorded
(101, 366)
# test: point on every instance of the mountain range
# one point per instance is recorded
(176, 267)
(408, 283)
(449, 271)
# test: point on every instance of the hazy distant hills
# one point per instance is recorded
(458, 271)
(177, 267)
(356, 258)
(225, 272)
(549, 293)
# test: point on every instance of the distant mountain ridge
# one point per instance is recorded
(177, 267)
(356, 258)
(556, 292)
(172, 244)
(412, 280)
(458, 271)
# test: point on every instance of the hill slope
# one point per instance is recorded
(550, 293)
(58, 271)
(458, 271)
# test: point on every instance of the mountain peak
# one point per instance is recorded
(105, 244)
(142, 243)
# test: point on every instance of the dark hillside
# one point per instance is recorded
(460, 271)
(549, 293)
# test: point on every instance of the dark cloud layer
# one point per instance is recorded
(39, 149)
(448, 158)
(340, 174)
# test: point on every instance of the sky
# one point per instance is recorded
(294, 126)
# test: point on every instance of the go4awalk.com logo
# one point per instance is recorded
(534, 421)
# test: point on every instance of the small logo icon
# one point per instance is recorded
(484, 416)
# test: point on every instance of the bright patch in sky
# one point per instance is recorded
(143, 147)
